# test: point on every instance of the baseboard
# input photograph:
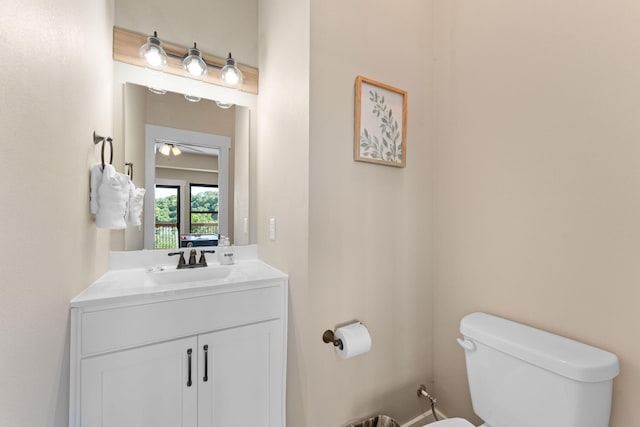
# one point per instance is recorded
(424, 418)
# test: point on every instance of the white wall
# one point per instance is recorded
(283, 174)
(537, 201)
(56, 90)
(353, 237)
(370, 225)
(218, 26)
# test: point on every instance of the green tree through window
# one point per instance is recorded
(204, 209)
(167, 202)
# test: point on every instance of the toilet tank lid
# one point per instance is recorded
(555, 353)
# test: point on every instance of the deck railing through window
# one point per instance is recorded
(204, 228)
(166, 236)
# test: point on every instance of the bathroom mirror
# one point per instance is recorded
(213, 160)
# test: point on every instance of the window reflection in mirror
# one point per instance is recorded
(176, 161)
(203, 212)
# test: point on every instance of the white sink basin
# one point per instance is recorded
(172, 275)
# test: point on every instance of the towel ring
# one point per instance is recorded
(110, 141)
(97, 139)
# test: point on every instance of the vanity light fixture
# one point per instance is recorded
(192, 62)
(153, 53)
(175, 150)
(231, 74)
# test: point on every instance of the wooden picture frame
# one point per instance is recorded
(380, 134)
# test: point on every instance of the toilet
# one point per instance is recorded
(520, 376)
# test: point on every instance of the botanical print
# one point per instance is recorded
(380, 123)
(386, 144)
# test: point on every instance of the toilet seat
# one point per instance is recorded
(451, 422)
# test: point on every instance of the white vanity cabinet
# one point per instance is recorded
(213, 356)
(239, 387)
(145, 386)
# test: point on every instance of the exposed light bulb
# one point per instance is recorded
(153, 53)
(175, 150)
(153, 56)
(230, 74)
(231, 77)
(165, 149)
(195, 69)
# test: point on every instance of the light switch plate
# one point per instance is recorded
(272, 228)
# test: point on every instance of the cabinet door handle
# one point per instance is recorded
(206, 364)
(189, 367)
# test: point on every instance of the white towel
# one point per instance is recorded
(113, 196)
(136, 201)
(96, 180)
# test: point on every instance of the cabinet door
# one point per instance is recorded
(244, 384)
(142, 387)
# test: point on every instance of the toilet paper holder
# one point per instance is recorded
(329, 337)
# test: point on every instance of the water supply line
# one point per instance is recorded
(422, 392)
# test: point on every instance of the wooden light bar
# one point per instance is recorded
(126, 47)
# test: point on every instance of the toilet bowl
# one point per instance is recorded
(510, 365)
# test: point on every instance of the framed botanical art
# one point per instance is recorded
(380, 134)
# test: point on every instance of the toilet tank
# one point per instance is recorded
(520, 376)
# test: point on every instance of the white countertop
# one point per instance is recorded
(137, 284)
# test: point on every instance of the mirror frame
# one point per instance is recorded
(125, 73)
